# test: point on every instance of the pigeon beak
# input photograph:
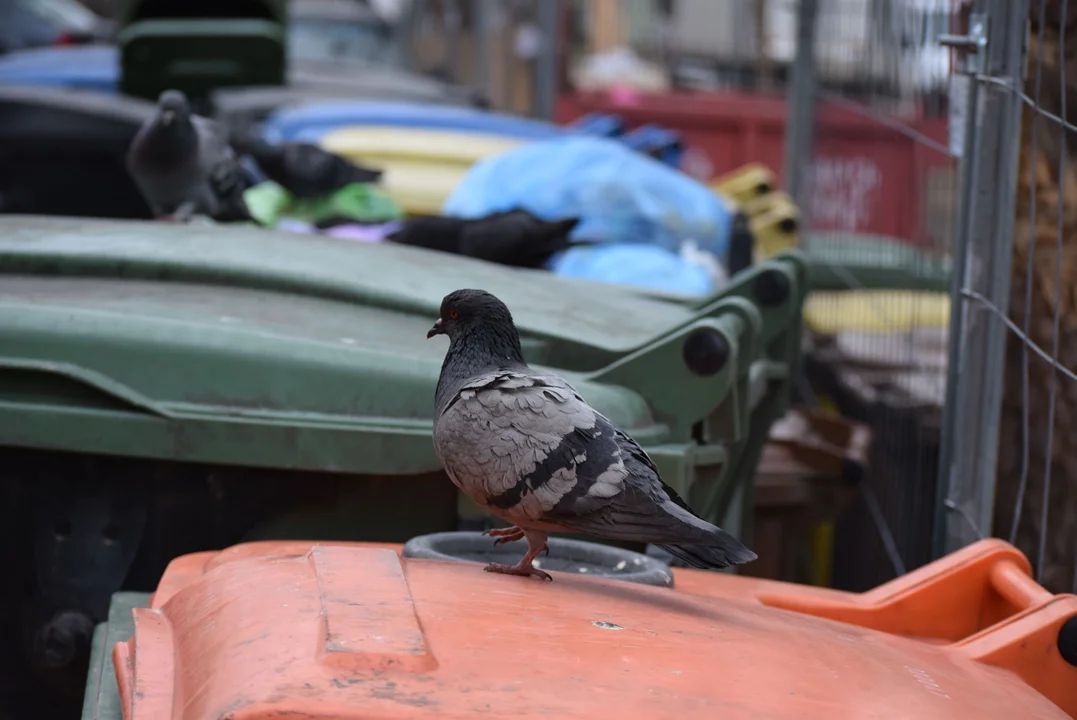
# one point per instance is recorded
(166, 117)
(436, 330)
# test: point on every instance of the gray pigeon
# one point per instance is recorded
(525, 446)
(183, 165)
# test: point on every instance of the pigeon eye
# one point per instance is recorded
(453, 314)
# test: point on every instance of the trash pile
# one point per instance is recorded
(589, 200)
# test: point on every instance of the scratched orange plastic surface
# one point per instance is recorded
(304, 630)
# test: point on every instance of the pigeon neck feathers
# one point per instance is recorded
(269, 157)
(166, 146)
(476, 349)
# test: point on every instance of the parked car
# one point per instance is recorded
(37, 23)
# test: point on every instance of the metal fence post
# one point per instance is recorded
(549, 13)
(482, 44)
(453, 23)
(983, 247)
(409, 21)
(800, 111)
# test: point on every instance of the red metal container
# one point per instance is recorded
(868, 177)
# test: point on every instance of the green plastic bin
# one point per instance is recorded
(198, 46)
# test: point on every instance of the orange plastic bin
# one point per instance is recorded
(306, 630)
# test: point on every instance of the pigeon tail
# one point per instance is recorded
(725, 552)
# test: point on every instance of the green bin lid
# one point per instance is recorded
(240, 345)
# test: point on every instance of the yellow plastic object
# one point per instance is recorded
(774, 219)
(875, 310)
(772, 214)
(822, 552)
(422, 166)
(745, 183)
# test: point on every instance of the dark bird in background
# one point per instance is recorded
(525, 446)
(513, 237)
(306, 170)
(183, 165)
(433, 232)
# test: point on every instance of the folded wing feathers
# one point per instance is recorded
(529, 448)
(528, 418)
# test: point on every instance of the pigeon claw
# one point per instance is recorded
(505, 535)
(498, 532)
(520, 569)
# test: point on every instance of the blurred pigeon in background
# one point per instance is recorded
(513, 237)
(525, 446)
(433, 232)
(306, 170)
(183, 165)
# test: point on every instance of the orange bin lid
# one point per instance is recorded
(351, 630)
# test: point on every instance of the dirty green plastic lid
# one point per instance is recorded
(270, 349)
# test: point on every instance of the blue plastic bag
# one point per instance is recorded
(639, 265)
(601, 124)
(620, 195)
(658, 142)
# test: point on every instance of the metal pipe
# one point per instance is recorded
(800, 121)
(976, 358)
(549, 13)
(482, 44)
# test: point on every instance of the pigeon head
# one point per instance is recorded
(465, 310)
(482, 337)
(172, 106)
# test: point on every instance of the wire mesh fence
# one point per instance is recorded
(1036, 498)
(949, 323)
(1004, 467)
(878, 191)
(870, 161)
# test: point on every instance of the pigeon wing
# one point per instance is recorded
(224, 174)
(515, 442)
(648, 510)
(645, 509)
(529, 447)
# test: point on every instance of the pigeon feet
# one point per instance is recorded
(501, 532)
(183, 213)
(518, 569)
(505, 535)
(536, 543)
(511, 534)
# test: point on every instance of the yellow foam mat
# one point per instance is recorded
(875, 310)
(421, 166)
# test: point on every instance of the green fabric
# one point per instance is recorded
(267, 202)
(362, 202)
